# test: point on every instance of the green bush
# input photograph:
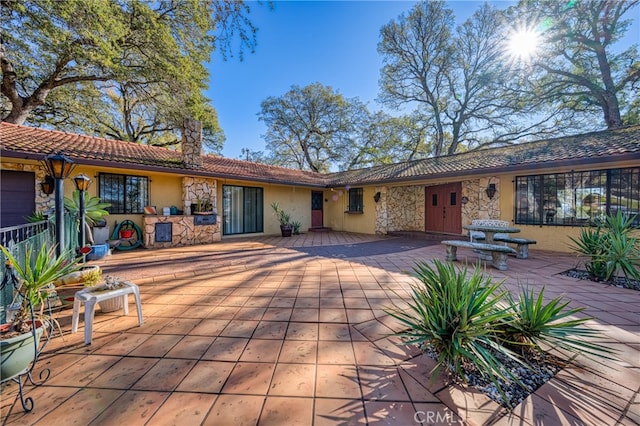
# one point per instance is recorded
(466, 319)
(610, 247)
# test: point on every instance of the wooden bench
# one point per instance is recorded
(522, 244)
(499, 253)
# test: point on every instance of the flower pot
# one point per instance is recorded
(126, 233)
(17, 353)
(286, 230)
(111, 305)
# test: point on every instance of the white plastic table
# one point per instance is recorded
(91, 296)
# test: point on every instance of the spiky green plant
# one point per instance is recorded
(458, 315)
(611, 248)
(533, 322)
(94, 209)
(36, 277)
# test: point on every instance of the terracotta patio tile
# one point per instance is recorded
(206, 377)
(84, 371)
(249, 378)
(223, 312)
(270, 330)
(374, 330)
(435, 414)
(382, 383)
(390, 412)
(183, 409)
(192, 347)
(306, 302)
(287, 411)
(473, 407)
(331, 412)
(132, 407)
(366, 353)
(261, 350)
(299, 351)
(239, 328)
(277, 314)
(357, 316)
(305, 315)
(236, 410)
(333, 352)
(165, 375)
(84, 406)
(331, 302)
(124, 374)
(282, 302)
(181, 326)
(302, 331)
(339, 332)
(45, 399)
(226, 349)
(250, 313)
(417, 390)
(209, 327)
(293, 380)
(156, 346)
(337, 381)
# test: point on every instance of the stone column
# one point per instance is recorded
(192, 143)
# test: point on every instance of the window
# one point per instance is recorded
(242, 210)
(577, 198)
(127, 194)
(355, 200)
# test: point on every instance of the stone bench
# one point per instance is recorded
(522, 244)
(499, 253)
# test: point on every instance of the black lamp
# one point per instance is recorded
(82, 182)
(59, 167)
(491, 190)
(47, 185)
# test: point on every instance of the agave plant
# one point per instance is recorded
(533, 322)
(94, 210)
(35, 282)
(611, 248)
(459, 316)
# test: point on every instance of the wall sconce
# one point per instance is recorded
(491, 190)
(47, 185)
(376, 197)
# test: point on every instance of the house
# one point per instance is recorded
(547, 188)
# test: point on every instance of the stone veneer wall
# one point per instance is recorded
(198, 188)
(192, 143)
(405, 208)
(183, 232)
(402, 208)
(479, 205)
(44, 202)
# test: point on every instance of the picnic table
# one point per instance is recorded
(490, 230)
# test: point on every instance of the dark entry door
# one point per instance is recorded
(317, 220)
(443, 212)
(18, 197)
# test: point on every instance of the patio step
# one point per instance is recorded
(320, 229)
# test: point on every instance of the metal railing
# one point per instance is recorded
(18, 239)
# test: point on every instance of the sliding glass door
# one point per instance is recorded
(242, 209)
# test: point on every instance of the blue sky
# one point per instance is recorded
(303, 42)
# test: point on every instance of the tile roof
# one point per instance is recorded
(603, 146)
(35, 143)
(609, 145)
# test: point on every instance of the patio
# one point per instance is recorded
(284, 331)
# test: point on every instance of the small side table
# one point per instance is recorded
(91, 296)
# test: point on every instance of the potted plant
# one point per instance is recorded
(66, 286)
(202, 206)
(19, 337)
(94, 211)
(286, 228)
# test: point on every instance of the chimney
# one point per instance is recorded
(192, 143)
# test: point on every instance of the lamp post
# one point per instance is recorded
(82, 185)
(59, 168)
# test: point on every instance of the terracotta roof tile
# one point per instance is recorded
(35, 143)
(606, 145)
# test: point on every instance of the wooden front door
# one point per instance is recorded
(317, 215)
(443, 212)
(18, 198)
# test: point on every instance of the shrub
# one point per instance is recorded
(532, 323)
(611, 248)
(467, 320)
(457, 315)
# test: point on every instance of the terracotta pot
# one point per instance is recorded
(126, 233)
